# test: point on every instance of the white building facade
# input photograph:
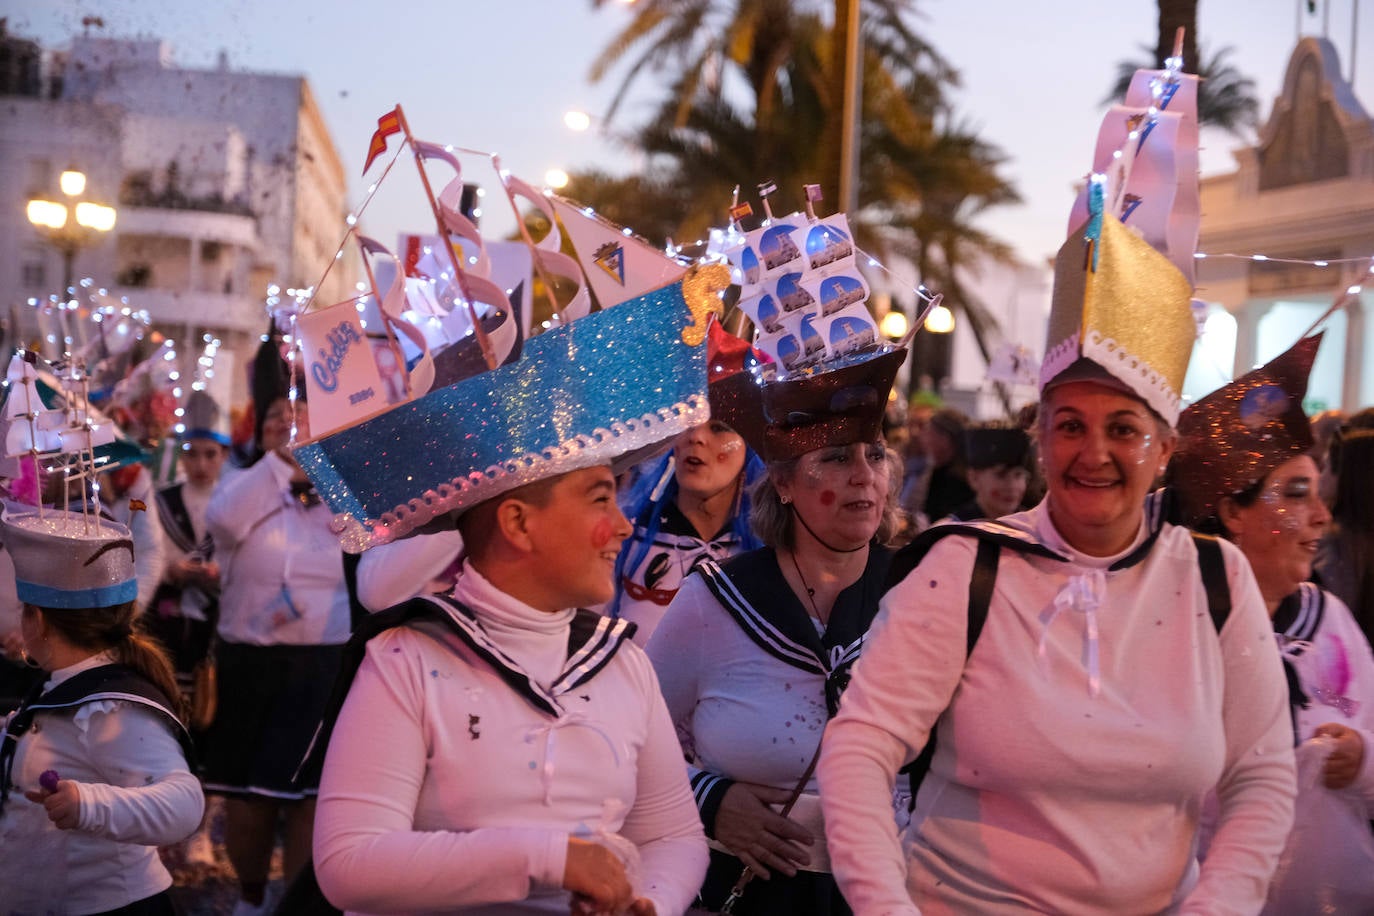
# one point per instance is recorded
(224, 182)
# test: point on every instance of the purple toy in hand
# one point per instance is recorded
(48, 780)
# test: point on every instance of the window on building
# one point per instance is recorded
(40, 177)
(33, 275)
(136, 276)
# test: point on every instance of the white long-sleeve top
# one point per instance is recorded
(1042, 795)
(281, 568)
(445, 787)
(135, 788)
(390, 574)
(1319, 638)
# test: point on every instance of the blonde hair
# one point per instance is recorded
(772, 520)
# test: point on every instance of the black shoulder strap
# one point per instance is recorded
(1213, 567)
(355, 649)
(980, 587)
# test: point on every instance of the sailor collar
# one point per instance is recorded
(753, 591)
(593, 641)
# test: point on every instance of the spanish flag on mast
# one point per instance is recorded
(387, 124)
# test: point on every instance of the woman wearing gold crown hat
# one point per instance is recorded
(93, 765)
(499, 749)
(1088, 672)
(754, 652)
(1242, 470)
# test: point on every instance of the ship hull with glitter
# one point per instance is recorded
(618, 382)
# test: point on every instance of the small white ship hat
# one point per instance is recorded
(69, 560)
(203, 418)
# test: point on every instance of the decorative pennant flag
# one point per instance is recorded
(387, 124)
(619, 267)
(740, 211)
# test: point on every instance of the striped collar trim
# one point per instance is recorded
(768, 637)
(593, 641)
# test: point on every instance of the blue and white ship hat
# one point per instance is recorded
(69, 560)
(608, 388)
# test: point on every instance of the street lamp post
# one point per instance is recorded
(70, 224)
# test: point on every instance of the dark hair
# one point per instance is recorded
(113, 629)
(772, 520)
(478, 523)
(1246, 498)
(1352, 529)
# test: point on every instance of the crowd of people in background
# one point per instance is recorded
(753, 588)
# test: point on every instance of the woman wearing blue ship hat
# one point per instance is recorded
(499, 726)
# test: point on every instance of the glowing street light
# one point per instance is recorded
(893, 325)
(71, 225)
(556, 178)
(577, 120)
(940, 320)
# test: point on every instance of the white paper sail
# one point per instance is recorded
(618, 266)
(1152, 186)
(802, 289)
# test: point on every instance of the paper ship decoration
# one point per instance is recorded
(800, 286)
(456, 402)
(1123, 278)
(613, 383)
(1147, 148)
(46, 417)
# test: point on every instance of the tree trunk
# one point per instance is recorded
(1173, 15)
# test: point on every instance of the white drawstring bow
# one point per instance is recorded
(549, 730)
(1082, 593)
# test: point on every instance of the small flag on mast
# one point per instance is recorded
(387, 124)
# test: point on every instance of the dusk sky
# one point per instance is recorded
(498, 76)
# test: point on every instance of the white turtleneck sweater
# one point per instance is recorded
(445, 788)
(1046, 794)
(136, 793)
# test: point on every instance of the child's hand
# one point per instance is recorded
(63, 803)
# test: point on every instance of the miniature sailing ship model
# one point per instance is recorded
(64, 438)
(800, 285)
(594, 387)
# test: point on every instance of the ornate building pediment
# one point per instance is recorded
(1317, 123)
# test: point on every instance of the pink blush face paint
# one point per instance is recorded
(602, 533)
(827, 497)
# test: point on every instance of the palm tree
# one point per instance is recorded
(924, 178)
(702, 46)
(1225, 97)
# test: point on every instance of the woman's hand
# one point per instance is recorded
(596, 877)
(762, 838)
(1344, 763)
(584, 906)
(63, 805)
